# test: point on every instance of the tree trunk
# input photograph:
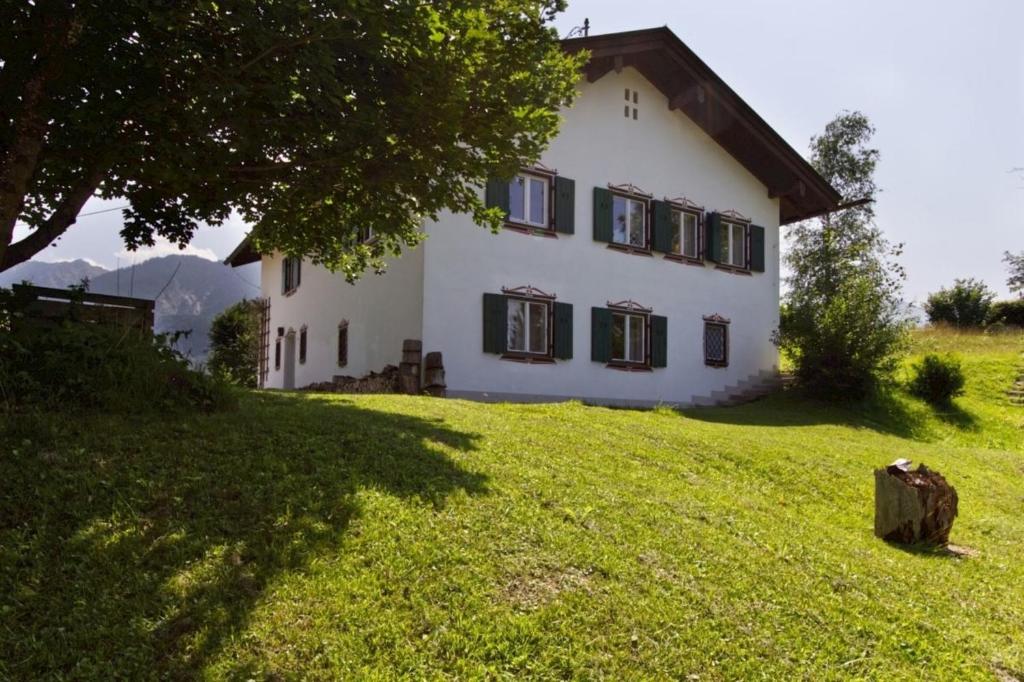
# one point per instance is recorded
(20, 158)
(913, 506)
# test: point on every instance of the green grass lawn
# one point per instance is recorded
(389, 536)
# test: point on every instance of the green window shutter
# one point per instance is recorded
(495, 323)
(602, 215)
(600, 335)
(284, 276)
(661, 226)
(563, 331)
(298, 272)
(757, 248)
(659, 341)
(497, 195)
(712, 236)
(565, 205)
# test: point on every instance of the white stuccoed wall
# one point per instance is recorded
(663, 153)
(381, 310)
(435, 292)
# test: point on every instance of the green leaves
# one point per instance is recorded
(311, 120)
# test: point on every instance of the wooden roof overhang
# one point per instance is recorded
(243, 254)
(693, 88)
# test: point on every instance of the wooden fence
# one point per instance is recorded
(52, 306)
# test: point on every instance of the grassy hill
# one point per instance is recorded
(388, 536)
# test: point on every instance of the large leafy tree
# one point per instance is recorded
(842, 320)
(311, 118)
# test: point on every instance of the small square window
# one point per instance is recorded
(528, 200)
(629, 221)
(716, 344)
(527, 327)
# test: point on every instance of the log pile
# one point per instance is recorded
(913, 506)
(402, 379)
(385, 381)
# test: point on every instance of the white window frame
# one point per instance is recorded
(682, 231)
(728, 242)
(365, 234)
(626, 344)
(629, 224)
(546, 305)
(545, 223)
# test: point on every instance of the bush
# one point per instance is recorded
(72, 365)
(937, 379)
(1008, 313)
(235, 343)
(965, 304)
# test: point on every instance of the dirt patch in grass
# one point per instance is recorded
(543, 584)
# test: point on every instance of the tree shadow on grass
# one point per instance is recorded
(957, 417)
(882, 413)
(137, 549)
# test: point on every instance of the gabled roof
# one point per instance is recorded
(692, 87)
(243, 254)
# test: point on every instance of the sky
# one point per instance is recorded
(942, 81)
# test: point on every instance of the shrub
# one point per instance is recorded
(965, 304)
(1008, 313)
(72, 365)
(937, 379)
(235, 343)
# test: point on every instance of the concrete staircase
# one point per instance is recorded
(746, 390)
(1016, 392)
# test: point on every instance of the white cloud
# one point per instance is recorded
(163, 248)
(90, 261)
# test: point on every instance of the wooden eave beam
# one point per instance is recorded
(692, 94)
(597, 69)
(797, 187)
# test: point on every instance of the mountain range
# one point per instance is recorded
(190, 291)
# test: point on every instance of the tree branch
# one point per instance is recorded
(62, 218)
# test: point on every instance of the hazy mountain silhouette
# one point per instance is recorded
(58, 275)
(193, 289)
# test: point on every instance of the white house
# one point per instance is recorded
(639, 264)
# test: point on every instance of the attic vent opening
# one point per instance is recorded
(631, 96)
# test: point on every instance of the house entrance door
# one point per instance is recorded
(289, 360)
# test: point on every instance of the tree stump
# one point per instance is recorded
(913, 506)
(433, 375)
